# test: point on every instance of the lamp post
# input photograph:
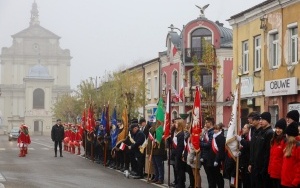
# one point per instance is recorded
(181, 44)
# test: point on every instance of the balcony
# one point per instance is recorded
(199, 52)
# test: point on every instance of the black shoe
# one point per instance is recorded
(61, 156)
(133, 173)
(55, 155)
(123, 169)
(137, 177)
(172, 184)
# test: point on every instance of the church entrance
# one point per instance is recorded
(38, 127)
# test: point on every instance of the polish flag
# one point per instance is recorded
(167, 118)
(122, 146)
(151, 137)
(196, 126)
(181, 93)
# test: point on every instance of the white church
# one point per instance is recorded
(35, 71)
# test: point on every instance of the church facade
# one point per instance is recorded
(35, 72)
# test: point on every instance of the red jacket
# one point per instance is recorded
(276, 157)
(24, 138)
(290, 173)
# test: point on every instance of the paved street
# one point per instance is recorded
(41, 169)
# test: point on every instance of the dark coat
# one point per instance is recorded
(218, 157)
(57, 133)
(158, 149)
(206, 145)
(253, 146)
(263, 144)
(178, 151)
(139, 139)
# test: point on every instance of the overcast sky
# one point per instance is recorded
(104, 35)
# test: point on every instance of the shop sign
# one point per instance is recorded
(286, 86)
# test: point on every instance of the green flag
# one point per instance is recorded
(159, 133)
(160, 117)
(160, 114)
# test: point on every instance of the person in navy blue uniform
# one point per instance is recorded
(139, 138)
(205, 146)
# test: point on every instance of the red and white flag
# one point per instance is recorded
(181, 92)
(151, 137)
(122, 146)
(197, 121)
(167, 118)
(231, 142)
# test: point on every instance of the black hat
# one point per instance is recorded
(134, 120)
(292, 130)
(133, 126)
(281, 124)
(58, 120)
(142, 120)
(266, 116)
(294, 115)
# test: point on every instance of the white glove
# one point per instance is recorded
(129, 147)
(238, 138)
(215, 163)
(237, 154)
(201, 160)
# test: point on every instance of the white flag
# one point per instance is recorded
(231, 142)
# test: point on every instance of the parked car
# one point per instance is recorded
(13, 134)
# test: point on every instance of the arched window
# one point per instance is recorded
(38, 99)
(164, 80)
(175, 80)
(197, 38)
(174, 115)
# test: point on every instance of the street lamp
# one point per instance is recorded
(181, 44)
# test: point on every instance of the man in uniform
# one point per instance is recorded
(139, 138)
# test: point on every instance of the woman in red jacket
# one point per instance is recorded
(290, 173)
(276, 153)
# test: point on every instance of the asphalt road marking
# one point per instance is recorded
(2, 149)
(2, 179)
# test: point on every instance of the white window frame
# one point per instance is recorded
(274, 50)
(175, 82)
(257, 53)
(245, 57)
(293, 43)
(149, 88)
(156, 87)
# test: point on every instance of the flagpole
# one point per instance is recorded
(238, 131)
(169, 152)
(149, 162)
(196, 169)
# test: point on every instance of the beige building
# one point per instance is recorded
(266, 53)
(35, 71)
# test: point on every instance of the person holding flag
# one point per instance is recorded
(216, 157)
(114, 136)
(205, 143)
(139, 139)
(157, 148)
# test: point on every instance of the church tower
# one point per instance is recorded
(35, 71)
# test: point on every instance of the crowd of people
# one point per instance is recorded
(267, 158)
